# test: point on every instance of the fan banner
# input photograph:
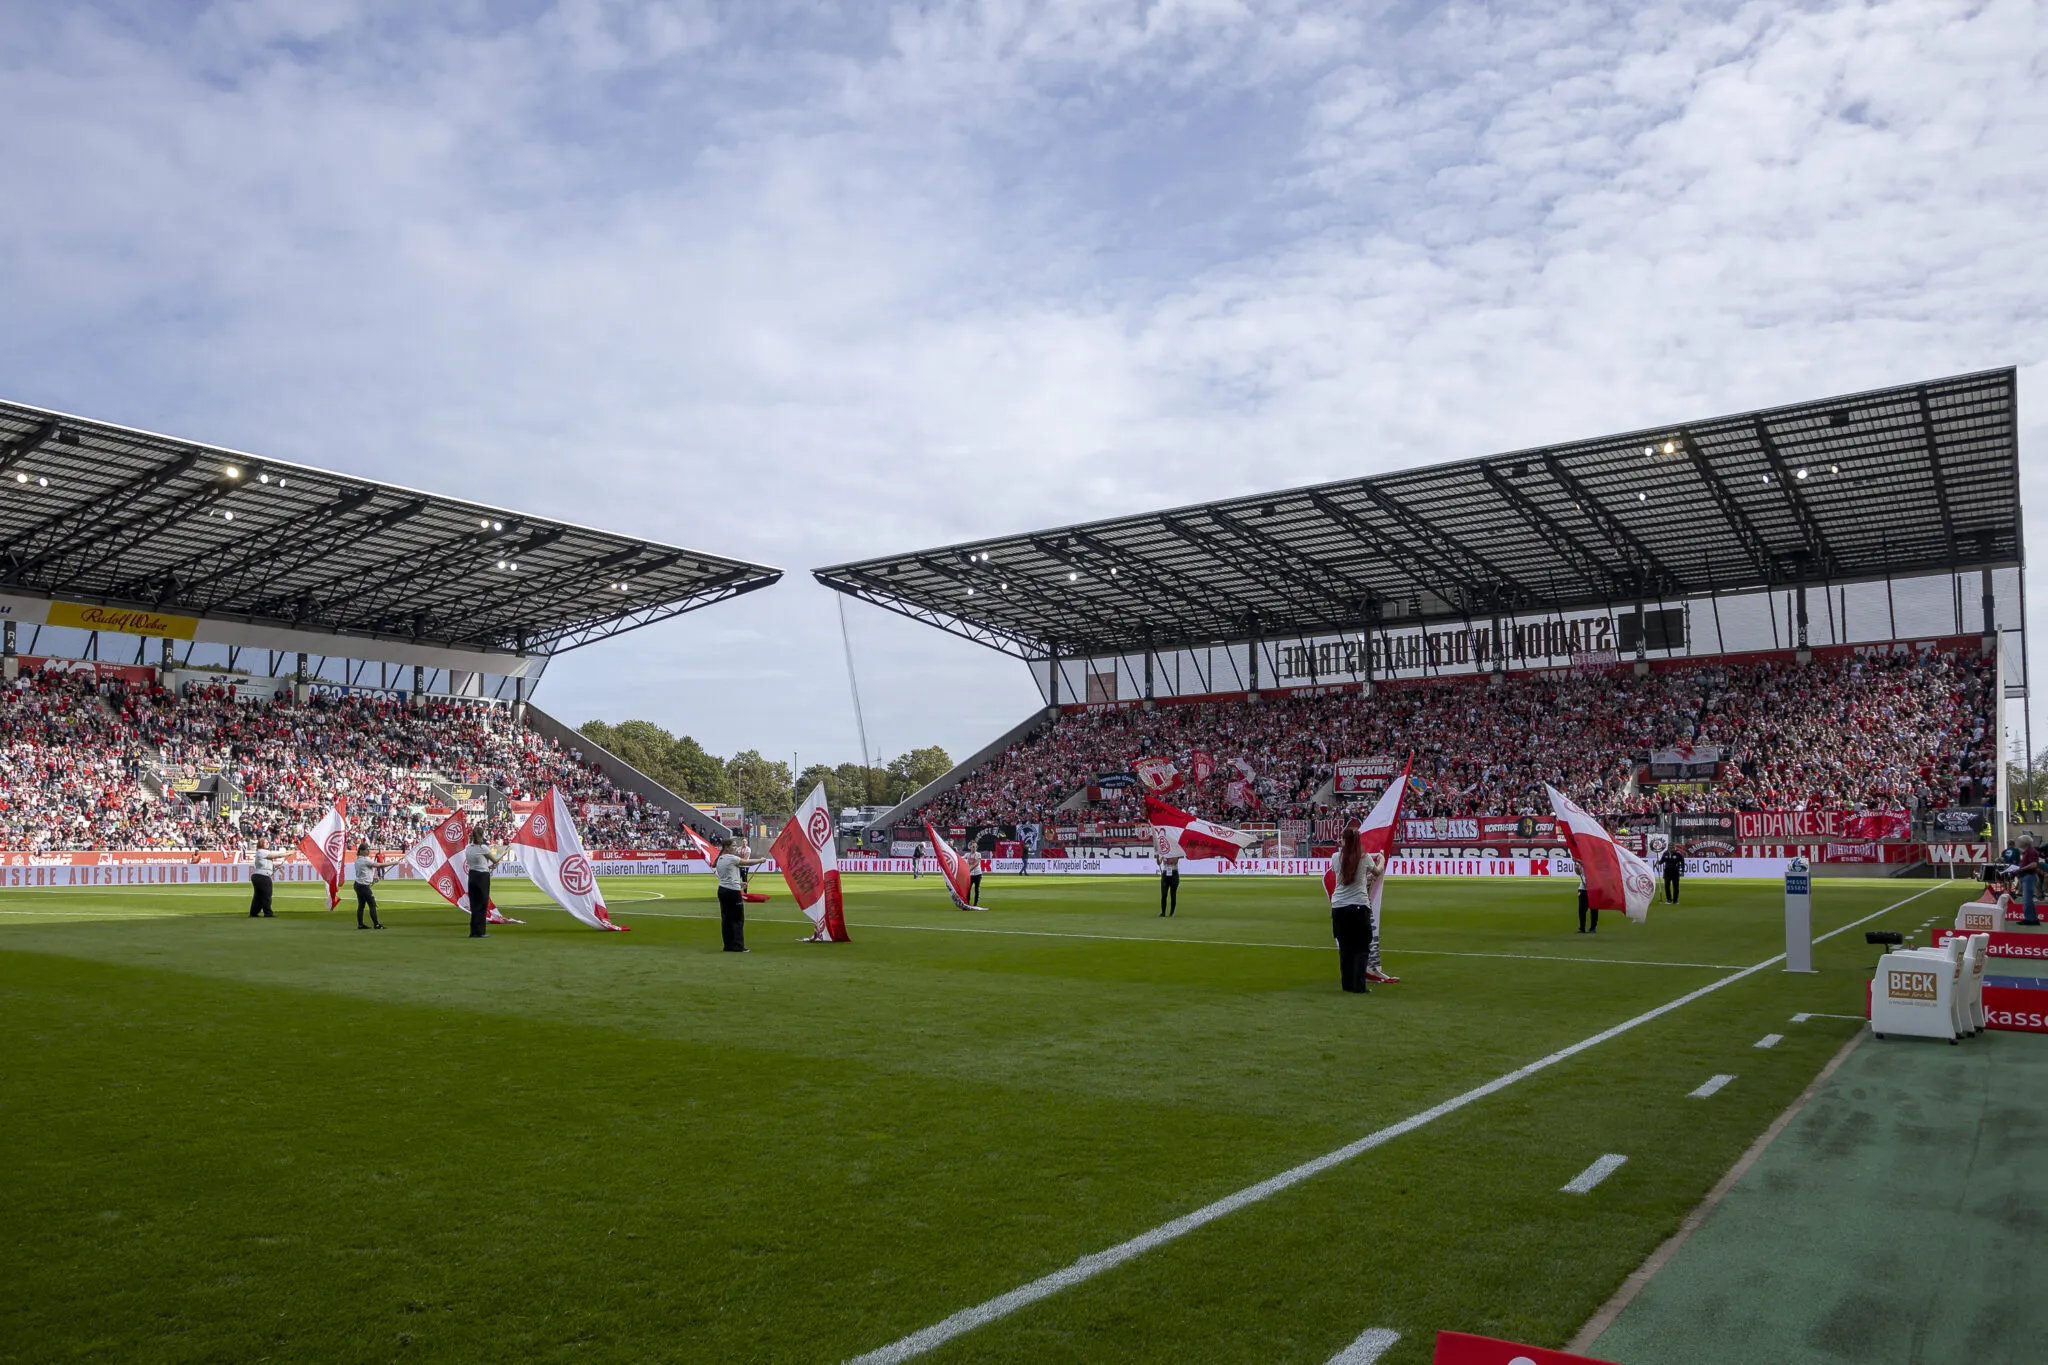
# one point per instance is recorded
(953, 865)
(1616, 879)
(1459, 1348)
(1177, 834)
(438, 860)
(326, 848)
(1201, 765)
(808, 860)
(552, 853)
(1158, 774)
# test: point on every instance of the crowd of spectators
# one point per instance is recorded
(1867, 732)
(87, 763)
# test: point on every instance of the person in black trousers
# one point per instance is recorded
(260, 885)
(1673, 863)
(1586, 910)
(1169, 885)
(1351, 912)
(478, 865)
(732, 906)
(368, 870)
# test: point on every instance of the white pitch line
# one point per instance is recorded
(1770, 1040)
(1089, 1266)
(1802, 1018)
(1372, 1343)
(1709, 1086)
(1213, 942)
(1586, 1180)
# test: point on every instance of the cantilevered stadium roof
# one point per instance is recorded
(1898, 482)
(92, 513)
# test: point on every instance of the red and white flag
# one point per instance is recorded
(1158, 774)
(1201, 765)
(1616, 879)
(326, 848)
(552, 853)
(953, 865)
(1177, 834)
(1376, 834)
(439, 859)
(809, 861)
(699, 843)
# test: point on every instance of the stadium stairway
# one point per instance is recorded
(1896, 1220)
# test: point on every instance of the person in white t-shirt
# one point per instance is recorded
(973, 861)
(261, 875)
(1354, 878)
(368, 870)
(732, 906)
(478, 863)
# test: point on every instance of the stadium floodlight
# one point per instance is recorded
(1649, 450)
(1671, 447)
(1642, 497)
(1073, 577)
(227, 516)
(232, 472)
(42, 483)
(263, 478)
(497, 526)
(21, 478)
(970, 592)
(1834, 469)
(1800, 475)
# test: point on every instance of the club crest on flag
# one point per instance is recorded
(804, 854)
(577, 875)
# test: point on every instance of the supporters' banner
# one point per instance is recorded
(1158, 774)
(1616, 879)
(1441, 829)
(809, 861)
(1460, 1348)
(1359, 775)
(1540, 829)
(1177, 834)
(1951, 825)
(1685, 762)
(1201, 765)
(326, 846)
(1789, 826)
(953, 865)
(439, 860)
(1706, 832)
(1376, 836)
(1112, 782)
(552, 853)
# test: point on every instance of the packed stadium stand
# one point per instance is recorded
(89, 763)
(1875, 732)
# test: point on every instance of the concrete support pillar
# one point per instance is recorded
(300, 689)
(1642, 669)
(1148, 670)
(1990, 615)
(1052, 690)
(1252, 623)
(13, 664)
(1804, 651)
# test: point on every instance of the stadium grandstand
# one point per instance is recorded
(203, 648)
(1797, 625)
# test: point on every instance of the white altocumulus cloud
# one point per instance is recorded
(801, 283)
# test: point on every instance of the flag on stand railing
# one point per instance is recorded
(1616, 879)
(953, 865)
(326, 847)
(439, 859)
(1158, 774)
(1177, 834)
(552, 853)
(1376, 833)
(809, 861)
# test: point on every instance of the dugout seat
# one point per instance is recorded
(1913, 994)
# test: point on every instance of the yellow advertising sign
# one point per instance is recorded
(124, 620)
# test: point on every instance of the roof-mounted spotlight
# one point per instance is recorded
(263, 478)
(1834, 469)
(21, 478)
(231, 472)
(42, 483)
(1073, 577)
(1800, 475)
(1671, 447)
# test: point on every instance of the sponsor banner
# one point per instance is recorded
(2019, 1009)
(1362, 775)
(1967, 854)
(1967, 823)
(334, 690)
(2033, 946)
(122, 620)
(1520, 828)
(98, 670)
(146, 874)
(1787, 826)
(1769, 869)
(1460, 1348)
(108, 857)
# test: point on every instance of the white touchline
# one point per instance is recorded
(1770, 1040)
(1709, 1086)
(1585, 1180)
(1372, 1343)
(1093, 1264)
(1802, 1018)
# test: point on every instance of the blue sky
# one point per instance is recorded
(803, 282)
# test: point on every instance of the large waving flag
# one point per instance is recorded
(809, 861)
(326, 847)
(1376, 834)
(953, 865)
(553, 855)
(1158, 774)
(439, 859)
(1177, 834)
(1616, 879)
(710, 854)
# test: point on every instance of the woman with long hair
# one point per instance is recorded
(1356, 876)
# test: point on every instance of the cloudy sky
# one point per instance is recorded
(803, 283)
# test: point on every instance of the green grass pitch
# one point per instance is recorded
(236, 1140)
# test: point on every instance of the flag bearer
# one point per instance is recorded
(478, 865)
(368, 870)
(1351, 911)
(1169, 885)
(1586, 909)
(261, 872)
(732, 867)
(973, 875)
